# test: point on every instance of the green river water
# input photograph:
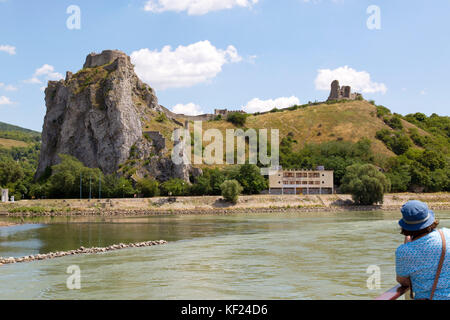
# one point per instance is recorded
(264, 256)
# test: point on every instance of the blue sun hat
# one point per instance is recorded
(416, 216)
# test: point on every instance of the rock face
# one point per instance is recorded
(97, 115)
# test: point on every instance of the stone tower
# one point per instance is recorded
(342, 93)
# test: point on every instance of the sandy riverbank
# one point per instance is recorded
(7, 224)
(214, 205)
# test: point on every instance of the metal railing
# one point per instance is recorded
(395, 293)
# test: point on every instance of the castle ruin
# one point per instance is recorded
(225, 112)
(342, 93)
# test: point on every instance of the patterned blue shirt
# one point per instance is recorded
(419, 260)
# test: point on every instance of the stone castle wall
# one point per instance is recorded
(342, 93)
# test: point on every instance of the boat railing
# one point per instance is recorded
(395, 293)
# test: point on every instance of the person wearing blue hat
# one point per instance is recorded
(423, 262)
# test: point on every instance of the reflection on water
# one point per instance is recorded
(267, 256)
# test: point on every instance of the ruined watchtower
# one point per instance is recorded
(342, 93)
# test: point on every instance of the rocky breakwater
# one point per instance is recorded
(81, 250)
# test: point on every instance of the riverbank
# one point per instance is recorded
(213, 205)
(7, 224)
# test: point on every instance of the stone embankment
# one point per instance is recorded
(81, 250)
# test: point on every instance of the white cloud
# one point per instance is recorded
(320, 1)
(183, 67)
(46, 71)
(10, 87)
(359, 80)
(196, 7)
(33, 80)
(189, 109)
(423, 92)
(5, 101)
(8, 49)
(257, 105)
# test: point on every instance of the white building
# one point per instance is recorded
(4, 195)
(319, 181)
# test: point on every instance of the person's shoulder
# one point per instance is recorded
(402, 250)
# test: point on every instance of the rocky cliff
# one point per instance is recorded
(98, 116)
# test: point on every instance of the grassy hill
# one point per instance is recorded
(10, 127)
(10, 143)
(14, 136)
(318, 123)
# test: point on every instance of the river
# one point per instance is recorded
(264, 256)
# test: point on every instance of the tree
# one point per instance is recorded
(117, 187)
(394, 122)
(148, 187)
(10, 172)
(65, 179)
(202, 186)
(216, 177)
(365, 183)
(398, 142)
(400, 178)
(439, 180)
(237, 118)
(432, 160)
(231, 190)
(251, 180)
(175, 187)
(420, 176)
(39, 190)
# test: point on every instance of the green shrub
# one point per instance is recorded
(161, 117)
(394, 122)
(398, 142)
(202, 186)
(175, 187)
(148, 187)
(383, 111)
(231, 190)
(251, 180)
(133, 152)
(418, 140)
(237, 118)
(365, 183)
(28, 210)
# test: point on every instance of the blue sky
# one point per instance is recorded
(250, 54)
